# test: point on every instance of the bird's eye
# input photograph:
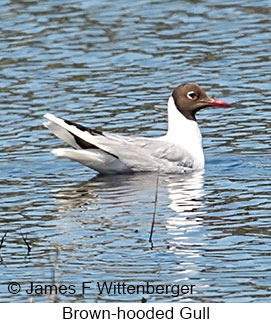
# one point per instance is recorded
(192, 95)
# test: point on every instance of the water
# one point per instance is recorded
(112, 65)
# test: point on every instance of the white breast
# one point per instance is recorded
(185, 133)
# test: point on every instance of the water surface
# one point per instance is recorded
(111, 66)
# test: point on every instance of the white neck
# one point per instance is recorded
(185, 133)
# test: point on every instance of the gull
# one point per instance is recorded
(178, 151)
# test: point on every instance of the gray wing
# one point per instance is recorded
(146, 153)
(138, 153)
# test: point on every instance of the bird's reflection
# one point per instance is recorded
(186, 199)
(184, 191)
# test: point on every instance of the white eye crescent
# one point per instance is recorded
(191, 95)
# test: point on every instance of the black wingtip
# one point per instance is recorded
(83, 128)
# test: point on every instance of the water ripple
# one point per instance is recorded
(112, 65)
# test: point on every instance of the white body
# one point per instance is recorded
(180, 150)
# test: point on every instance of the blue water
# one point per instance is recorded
(111, 65)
